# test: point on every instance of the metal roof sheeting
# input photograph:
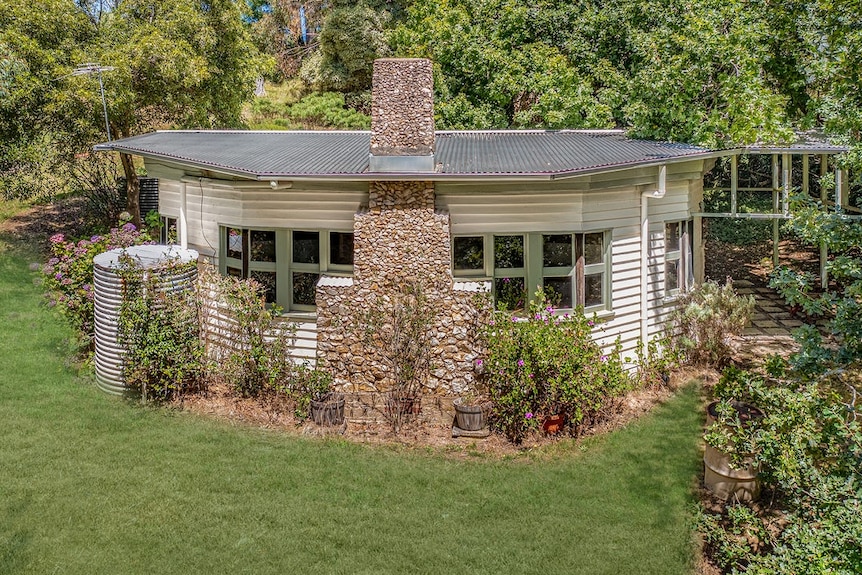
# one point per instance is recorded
(271, 155)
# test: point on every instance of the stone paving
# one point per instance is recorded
(771, 328)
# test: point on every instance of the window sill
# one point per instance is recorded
(299, 315)
(671, 299)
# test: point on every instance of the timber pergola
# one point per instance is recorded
(783, 182)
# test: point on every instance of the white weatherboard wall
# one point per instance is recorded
(607, 201)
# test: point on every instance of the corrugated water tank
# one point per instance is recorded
(108, 291)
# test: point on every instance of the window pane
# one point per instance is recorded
(509, 293)
(508, 251)
(341, 248)
(671, 236)
(234, 243)
(594, 248)
(267, 280)
(671, 275)
(304, 285)
(306, 247)
(558, 290)
(168, 232)
(469, 253)
(557, 251)
(593, 293)
(262, 246)
(234, 272)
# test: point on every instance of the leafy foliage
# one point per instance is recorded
(704, 319)
(840, 305)
(546, 364)
(68, 273)
(257, 361)
(159, 329)
(809, 448)
(350, 40)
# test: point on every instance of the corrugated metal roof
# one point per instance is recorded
(267, 155)
(560, 152)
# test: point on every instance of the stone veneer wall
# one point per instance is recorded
(400, 238)
(402, 107)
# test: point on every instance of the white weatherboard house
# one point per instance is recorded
(326, 220)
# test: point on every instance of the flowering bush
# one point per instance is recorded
(68, 273)
(547, 364)
(159, 330)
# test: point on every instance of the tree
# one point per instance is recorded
(349, 41)
(176, 63)
(36, 51)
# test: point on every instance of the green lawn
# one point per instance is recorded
(91, 484)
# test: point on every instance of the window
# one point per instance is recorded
(287, 262)
(572, 268)
(168, 230)
(677, 257)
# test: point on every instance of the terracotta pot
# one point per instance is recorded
(552, 424)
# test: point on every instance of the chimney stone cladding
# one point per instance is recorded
(402, 107)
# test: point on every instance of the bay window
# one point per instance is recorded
(573, 268)
(287, 262)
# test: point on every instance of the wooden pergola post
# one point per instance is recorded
(775, 223)
(824, 252)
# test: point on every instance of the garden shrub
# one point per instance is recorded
(546, 364)
(700, 327)
(160, 332)
(399, 327)
(257, 360)
(809, 449)
(68, 274)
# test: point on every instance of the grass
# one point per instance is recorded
(93, 484)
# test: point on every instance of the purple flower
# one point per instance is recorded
(591, 323)
(53, 261)
(549, 309)
(529, 415)
(506, 280)
(478, 363)
(530, 376)
(57, 238)
(604, 358)
(95, 239)
(58, 276)
(129, 227)
(520, 363)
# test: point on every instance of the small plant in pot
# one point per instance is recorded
(471, 411)
(325, 406)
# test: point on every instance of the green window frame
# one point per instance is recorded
(575, 266)
(288, 262)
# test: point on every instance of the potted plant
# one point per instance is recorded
(727, 474)
(471, 411)
(326, 407)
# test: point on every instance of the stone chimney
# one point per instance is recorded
(402, 116)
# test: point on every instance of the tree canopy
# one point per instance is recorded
(176, 63)
(714, 72)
